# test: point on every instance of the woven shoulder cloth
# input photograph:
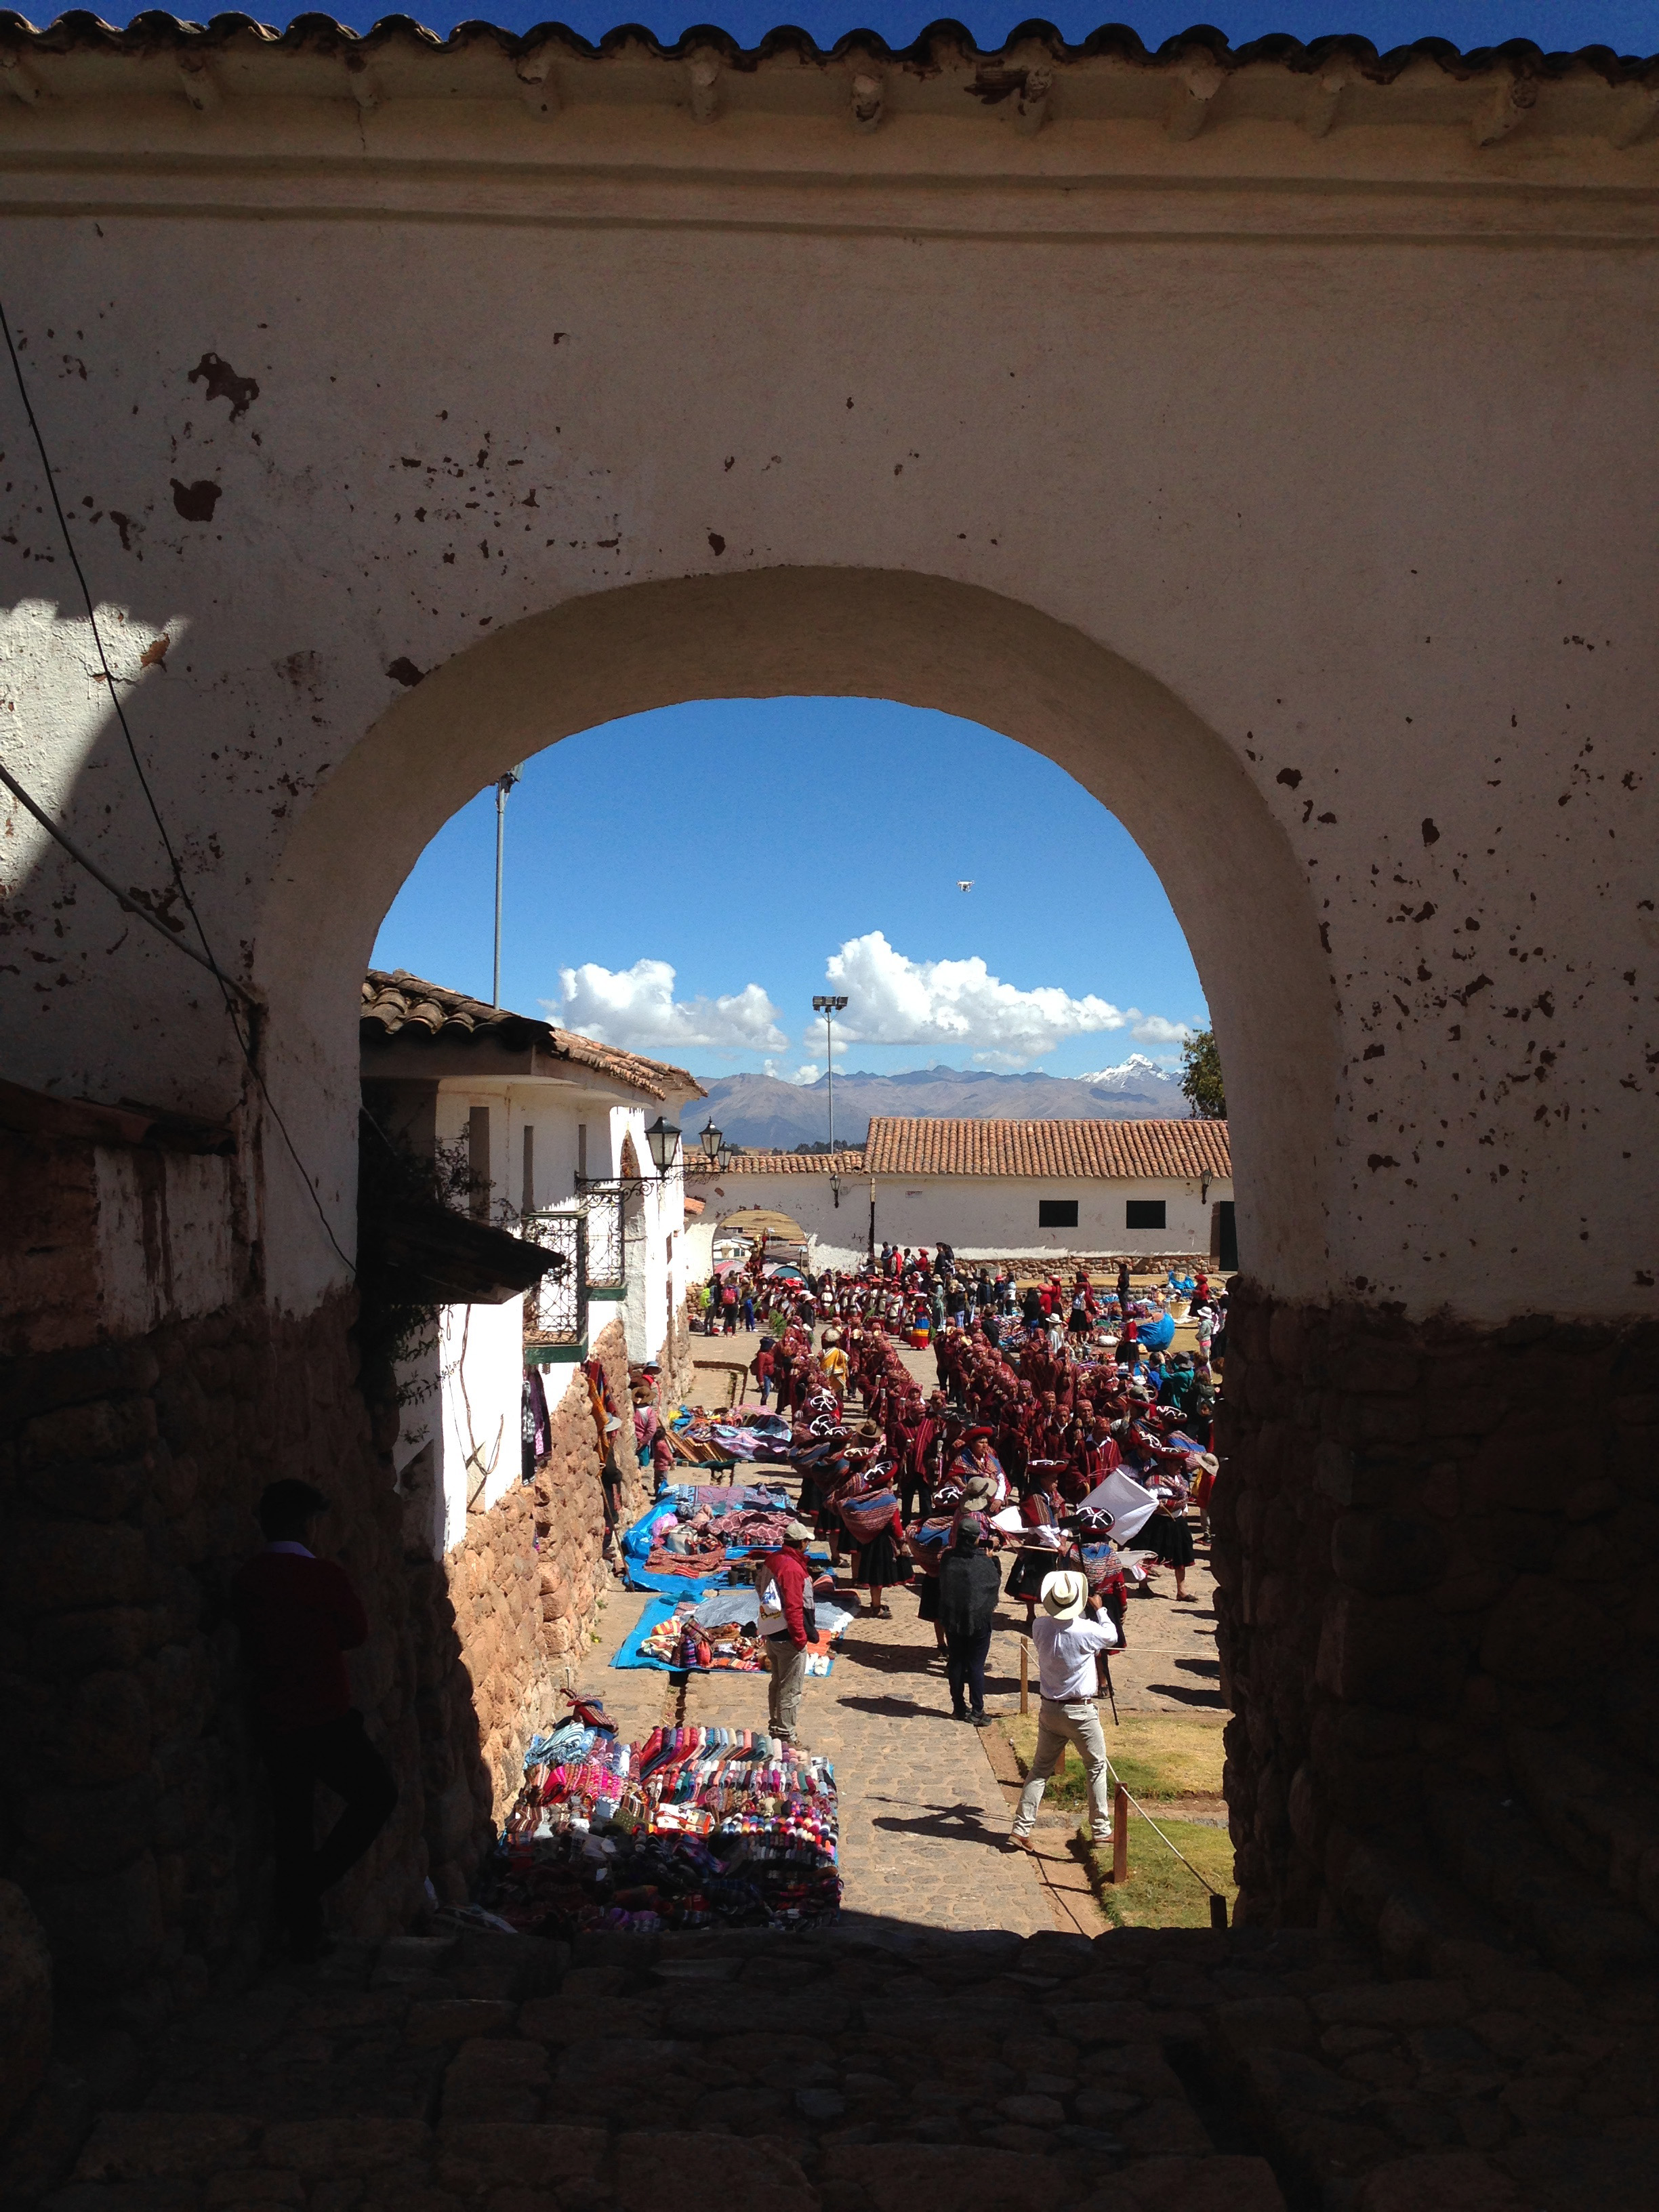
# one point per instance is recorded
(868, 1512)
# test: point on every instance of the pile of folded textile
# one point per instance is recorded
(710, 1825)
(578, 1773)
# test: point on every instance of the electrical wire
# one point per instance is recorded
(225, 986)
(127, 904)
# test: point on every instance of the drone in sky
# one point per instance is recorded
(966, 886)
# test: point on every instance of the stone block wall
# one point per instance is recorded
(522, 1591)
(1437, 1554)
(133, 1820)
(131, 1802)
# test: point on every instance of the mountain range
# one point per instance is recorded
(762, 1111)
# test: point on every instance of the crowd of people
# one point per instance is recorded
(1045, 1389)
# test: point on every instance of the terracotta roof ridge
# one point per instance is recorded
(155, 31)
(1138, 1150)
(393, 997)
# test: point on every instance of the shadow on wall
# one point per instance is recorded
(134, 1808)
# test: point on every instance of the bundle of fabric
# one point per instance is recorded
(866, 1512)
(582, 1774)
(737, 1788)
(683, 1640)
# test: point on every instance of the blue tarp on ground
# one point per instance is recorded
(637, 1542)
(712, 1604)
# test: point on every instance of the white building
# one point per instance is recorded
(995, 1191)
(545, 1131)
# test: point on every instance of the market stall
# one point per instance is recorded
(718, 1632)
(692, 1828)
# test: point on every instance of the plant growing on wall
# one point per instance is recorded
(1200, 1077)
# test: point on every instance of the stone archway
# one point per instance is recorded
(1249, 916)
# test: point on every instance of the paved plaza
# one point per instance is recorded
(924, 1812)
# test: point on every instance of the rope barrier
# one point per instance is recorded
(1164, 1839)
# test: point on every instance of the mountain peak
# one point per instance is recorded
(765, 1111)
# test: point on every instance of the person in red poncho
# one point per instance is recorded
(299, 1616)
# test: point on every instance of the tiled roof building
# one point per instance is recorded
(794, 1164)
(1057, 1151)
(397, 1002)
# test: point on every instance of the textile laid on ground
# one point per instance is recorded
(693, 1826)
(713, 1632)
(691, 1531)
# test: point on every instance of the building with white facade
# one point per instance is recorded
(548, 1132)
(995, 1190)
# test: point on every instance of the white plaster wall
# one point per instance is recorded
(481, 1355)
(1318, 543)
(556, 1111)
(998, 1218)
(165, 1246)
(991, 1218)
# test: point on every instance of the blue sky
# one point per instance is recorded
(1550, 23)
(785, 834)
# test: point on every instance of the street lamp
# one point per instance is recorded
(503, 785)
(664, 1140)
(829, 1008)
(711, 1139)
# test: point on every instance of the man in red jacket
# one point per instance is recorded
(788, 1626)
(299, 1615)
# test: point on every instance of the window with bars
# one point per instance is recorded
(555, 1311)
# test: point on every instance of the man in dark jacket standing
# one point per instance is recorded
(299, 1616)
(969, 1582)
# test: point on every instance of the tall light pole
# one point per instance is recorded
(829, 1008)
(503, 785)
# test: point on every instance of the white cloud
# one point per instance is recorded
(636, 1008)
(1152, 1029)
(958, 1006)
(808, 1072)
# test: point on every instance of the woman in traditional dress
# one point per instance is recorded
(878, 1544)
(1041, 1508)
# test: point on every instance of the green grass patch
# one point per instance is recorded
(1161, 1892)
(1156, 1756)
(1159, 1758)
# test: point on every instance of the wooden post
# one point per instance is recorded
(1218, 1911)
(1025, 1676)
(1121, 1835)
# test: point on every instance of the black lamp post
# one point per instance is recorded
(664, 1139)
(830, 1007)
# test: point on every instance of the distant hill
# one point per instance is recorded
(761, 1111)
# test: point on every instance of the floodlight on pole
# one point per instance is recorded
(503, 785)
(829, 1008)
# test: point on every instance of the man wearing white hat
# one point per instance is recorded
(1067, 1643)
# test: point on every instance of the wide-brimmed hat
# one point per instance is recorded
(1206, 1460)
(979, 1490)
(867, 1429)
(1065, 1595)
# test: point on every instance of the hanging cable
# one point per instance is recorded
(127, 904)
(206, 957)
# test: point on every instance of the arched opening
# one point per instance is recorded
(1178, 787)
